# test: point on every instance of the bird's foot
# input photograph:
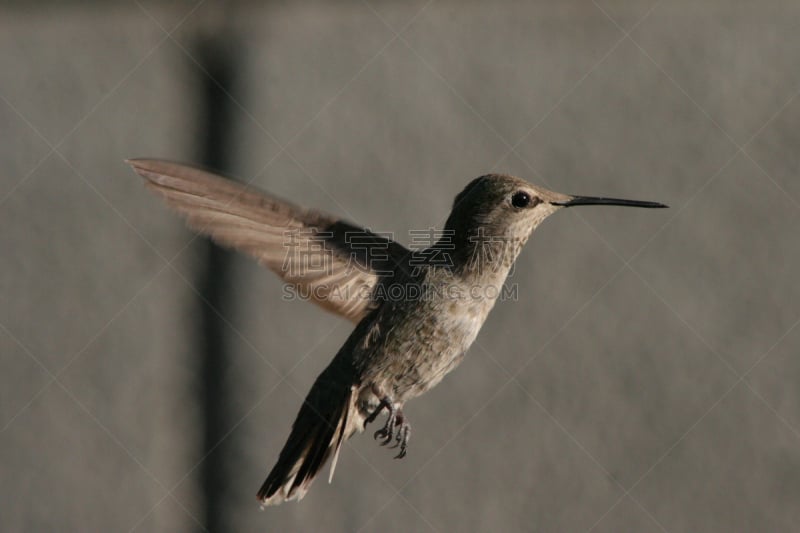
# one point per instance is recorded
(386, 403)
(403, 434)
(396, 426)
(387, 431)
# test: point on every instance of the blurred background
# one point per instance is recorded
(646, 378)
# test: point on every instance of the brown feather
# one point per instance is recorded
(317, 433)
(329, 269)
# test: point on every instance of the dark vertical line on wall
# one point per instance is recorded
(217, 57)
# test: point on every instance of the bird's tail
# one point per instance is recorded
(328, 417)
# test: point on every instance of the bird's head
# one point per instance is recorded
(495, 214)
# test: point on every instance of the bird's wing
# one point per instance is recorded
(335, 264)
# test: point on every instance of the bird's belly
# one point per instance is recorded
(437, 346)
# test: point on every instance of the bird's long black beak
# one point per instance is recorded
(592, 200)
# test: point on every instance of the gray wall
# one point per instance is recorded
(645, 380)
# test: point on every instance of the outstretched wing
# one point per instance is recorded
(335, 264)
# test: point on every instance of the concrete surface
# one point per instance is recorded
(645, 380)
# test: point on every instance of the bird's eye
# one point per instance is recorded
(521, 199)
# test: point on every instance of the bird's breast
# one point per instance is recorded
(431, 338)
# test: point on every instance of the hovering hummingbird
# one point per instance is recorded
(416, 312)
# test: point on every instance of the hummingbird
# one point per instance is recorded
(416, 313)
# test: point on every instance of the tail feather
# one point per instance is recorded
(341, 432)
(322, 425)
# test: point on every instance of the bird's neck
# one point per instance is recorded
(479, 255)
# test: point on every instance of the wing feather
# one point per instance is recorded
(309, 249)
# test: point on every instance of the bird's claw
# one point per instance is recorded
(396, 427)
(386, 403)
(403, 434)
(387, 431)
